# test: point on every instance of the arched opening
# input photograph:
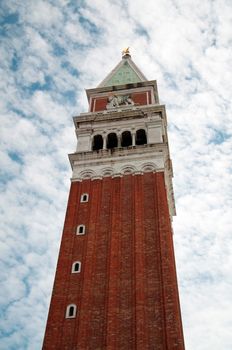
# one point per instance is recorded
(84, 197)
(80, 230)
(71, 311)
(141, 137)
(76, 267)
(126, 139)
(112, 140)
(97, 142)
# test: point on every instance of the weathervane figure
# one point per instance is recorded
(126, 52)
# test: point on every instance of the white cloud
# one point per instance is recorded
(77, 34)
(42, 13)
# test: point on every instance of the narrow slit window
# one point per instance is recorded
(84, 197)
(80, 230)
(76, 267)
(71, 311)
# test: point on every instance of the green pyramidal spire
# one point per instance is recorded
(126, 72)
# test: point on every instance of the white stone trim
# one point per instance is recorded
(120, 169)
(148, 167)
(87, 174)
(128, 169)
(107, 172)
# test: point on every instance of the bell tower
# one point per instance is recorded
(115, 285)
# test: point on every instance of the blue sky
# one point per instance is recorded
(50, 52)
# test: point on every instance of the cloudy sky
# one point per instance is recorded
(51, 50)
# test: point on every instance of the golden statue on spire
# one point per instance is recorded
(126, 52)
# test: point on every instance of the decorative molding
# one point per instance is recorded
(107, 172)
(114, 171)
(148, 167)
(128, 169)
(87, 174)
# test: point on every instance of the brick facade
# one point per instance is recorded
(126, 293)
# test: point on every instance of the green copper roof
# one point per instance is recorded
(123, 75)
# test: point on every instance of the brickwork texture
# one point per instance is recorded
(126, 293)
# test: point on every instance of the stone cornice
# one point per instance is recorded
(116, 153)
(126, 112)
(107, 89)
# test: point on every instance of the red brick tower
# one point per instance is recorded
(115, 286)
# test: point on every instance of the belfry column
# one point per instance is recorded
(104, 141)
(133, 138)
